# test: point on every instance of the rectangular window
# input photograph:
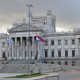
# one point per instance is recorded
(73, 53)
(3, 44)
(59, 42)
(59, 63)
(52, 52)
(66, 63)
(46, 43)
(78, 40)
(59, 53)
(66, 53)
(73, 63)
(79, 52)
(46, 53)
(66, 42)
(52, 62)
(52, 42)
(73, 41)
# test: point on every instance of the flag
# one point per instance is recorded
(40, 39)
(10, 41)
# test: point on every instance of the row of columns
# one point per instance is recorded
(21, 47)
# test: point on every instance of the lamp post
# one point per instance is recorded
(29, 15)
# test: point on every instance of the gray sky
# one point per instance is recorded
(67, 12)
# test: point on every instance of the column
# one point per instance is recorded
(26, 54)
(77, 49)
(15, 52)
(29, 49)
(70, 52)
(24, 47)
(56, 48)
(18, 48)
(9, 49)
(6, 48)
(76, 52)
(39, 50)
(21, 50)
(62, 52)
(49, 48)
(33, 48)
(42, 51)
(63, 49)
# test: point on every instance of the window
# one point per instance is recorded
(66, 63)
(66, 42)
(3, 44)
(46, 53)
(45, 62)
(59, 63)
(3, 54)
(79, 52)
(73, 53)
(31, 53)
(59, 42)
(52, 42)
(59, 53)
(52, 62)
(73, 41)
(25, 54)
(66, 53)
(52, 52)
(44, 22)
(73, 63)
(46, 43)
(79, 40)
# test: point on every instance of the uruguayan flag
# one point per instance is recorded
(10, 41)
(40, 39)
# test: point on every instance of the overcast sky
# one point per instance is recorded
(67, 12)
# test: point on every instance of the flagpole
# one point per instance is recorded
(29, 15)
(36, 51)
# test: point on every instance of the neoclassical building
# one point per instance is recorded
(59, 48)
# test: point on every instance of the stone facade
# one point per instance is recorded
(61, 48)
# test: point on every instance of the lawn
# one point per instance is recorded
(27, 76)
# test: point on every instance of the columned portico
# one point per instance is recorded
(21, 47)
(24, 46)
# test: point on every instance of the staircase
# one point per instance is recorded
(20, 61)
(21, 66)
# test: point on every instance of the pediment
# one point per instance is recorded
(23, 28)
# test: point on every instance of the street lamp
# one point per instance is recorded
(29, 15)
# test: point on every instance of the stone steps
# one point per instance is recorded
(23, 68)
(22, 61)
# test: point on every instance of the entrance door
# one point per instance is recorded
(3, 54)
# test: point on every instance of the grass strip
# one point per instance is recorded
(27, 76)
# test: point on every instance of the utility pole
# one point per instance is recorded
(29, 15)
